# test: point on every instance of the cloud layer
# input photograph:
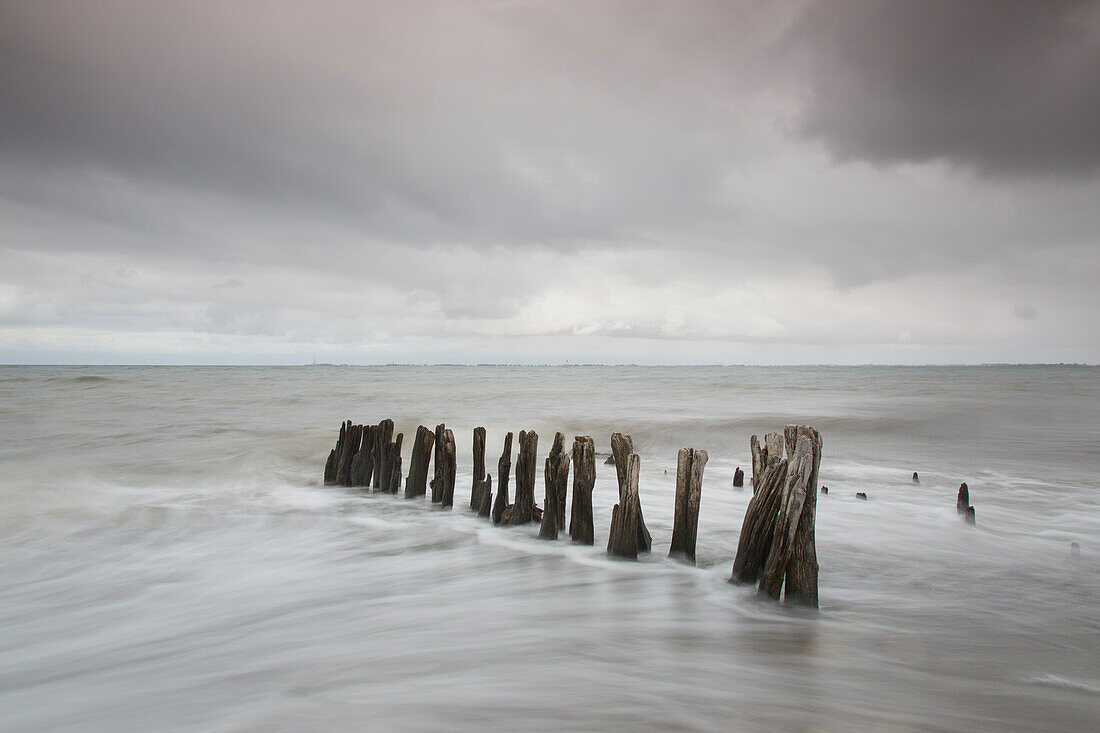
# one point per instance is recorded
(653, 182)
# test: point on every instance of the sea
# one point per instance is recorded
(171, 560)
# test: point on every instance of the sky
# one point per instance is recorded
(843, 181)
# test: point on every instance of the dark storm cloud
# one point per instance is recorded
(419, 122)
(1009, 87)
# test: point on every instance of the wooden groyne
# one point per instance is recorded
(776, 549)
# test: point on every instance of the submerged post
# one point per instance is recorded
(689, 487)
(504, 468)
(584, 478)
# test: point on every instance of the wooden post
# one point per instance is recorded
(416, 483)
(504, 469)
(394, 483)
(485, 496)
(352, 440)
(962, 503)
(449, 468)
(584, 478)
(622, 540)
(621, 448)
(438, 462)
(333, 463)
(363, 463)
(384, 464)
(556, 475)
(334, 456)
(523, 511)
(769, 474)
(792, 558)
(738, 478)
(563, 478)
(479, 467)
(689, 486)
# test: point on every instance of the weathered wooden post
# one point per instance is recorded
(769, 473)
(485, 496)
(563, 478)
(332, 466)
(738, 478)
(363, 464)
(556, 476)
(386, 441)
(963, 506)
(394, 483)
(504, 469)
(792, 560)
(383, 436)
(621, 448)
(962, 503)
(449, 468)
(479, 466)
(333, 458)
(352, 441)
(584, 478)
(689, 487)
(622, 540)
(439, 460)
(416, 483)
(523, 509)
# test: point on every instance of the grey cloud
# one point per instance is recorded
(1008, 88)
(474, 171)
(413, 122)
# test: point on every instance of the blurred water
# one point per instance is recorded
(170, 561)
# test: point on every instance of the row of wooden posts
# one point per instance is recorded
(776, 549)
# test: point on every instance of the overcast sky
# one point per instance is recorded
(616, 182)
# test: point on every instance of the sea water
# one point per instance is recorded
(170, 559)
